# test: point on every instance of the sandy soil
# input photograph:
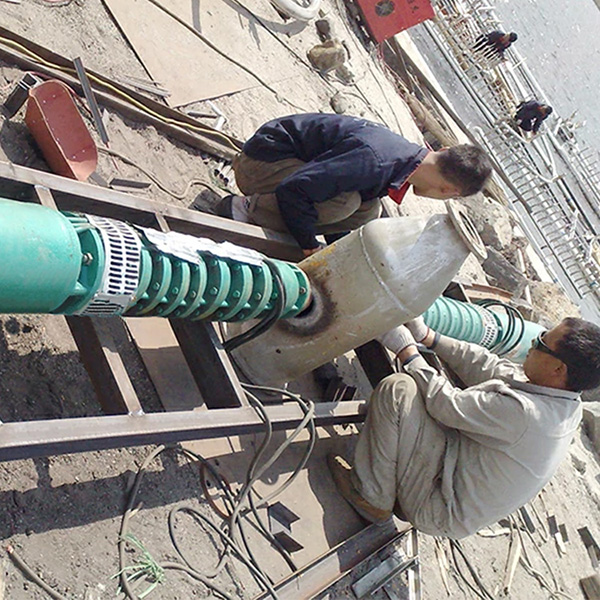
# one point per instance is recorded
(63, 513)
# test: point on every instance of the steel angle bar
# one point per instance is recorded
(382, 574)
(66, 436)
(73, 195)
(414, 575)
(324, 571)
(91, 100)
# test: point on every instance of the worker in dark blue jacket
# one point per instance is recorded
(312, 174)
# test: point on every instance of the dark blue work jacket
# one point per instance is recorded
(342, 154)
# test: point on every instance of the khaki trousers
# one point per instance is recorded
(259, 179)
(400, 454)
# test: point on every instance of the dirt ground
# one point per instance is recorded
(62, 514)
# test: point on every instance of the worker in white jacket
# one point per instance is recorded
(452, 461)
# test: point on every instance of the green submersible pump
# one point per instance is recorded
(79, 264)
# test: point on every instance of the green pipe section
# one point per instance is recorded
(41, 256)
(458, 320)
(488, 324)
(71, 264)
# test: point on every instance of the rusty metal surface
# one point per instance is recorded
(209, 364)
(375, 361)
(67, 436)
(84, 197)
(100, 356)
(323, 572)
(99, 352)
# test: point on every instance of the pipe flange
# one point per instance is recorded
(466, 229)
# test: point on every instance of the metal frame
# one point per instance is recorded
(317, 576)
(83, 434)
(213, 372)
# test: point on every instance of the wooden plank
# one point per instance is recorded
(165, 363)
(207, 72)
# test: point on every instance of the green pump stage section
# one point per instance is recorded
(77, 264)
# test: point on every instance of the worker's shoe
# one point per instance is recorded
(341, 471)
(223, 208)
(233, 207)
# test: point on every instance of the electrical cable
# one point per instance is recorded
(308, 409)
(115, 90)
(482, 592)
(254, 473)
(514, 316)
(162, 186)
(205, 579)
(238, 507)
(269, 319)
(230, 544)
(31, 574)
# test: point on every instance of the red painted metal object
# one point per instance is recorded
(59, 130)
(385, 18)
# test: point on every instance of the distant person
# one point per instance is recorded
(495, 43)
(312, 174)
(531, 114)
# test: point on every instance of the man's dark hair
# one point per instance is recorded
(465, 166)
(549, 109)
(580, 350)
(513, 37)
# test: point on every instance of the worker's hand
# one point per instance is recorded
(310, 251)
(418, 328)
(397, 339)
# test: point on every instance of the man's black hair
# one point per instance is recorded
(513, 37)
(580, 350)
(549, 109)
(465, 166)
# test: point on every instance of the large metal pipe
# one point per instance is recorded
(373, 279)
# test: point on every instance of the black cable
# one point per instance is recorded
(258, 574)
(514, 317)
(237, 506)
(269, 320)
(254, 473)
(482, 592)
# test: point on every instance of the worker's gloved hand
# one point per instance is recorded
(397, 339)
(418, 328)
